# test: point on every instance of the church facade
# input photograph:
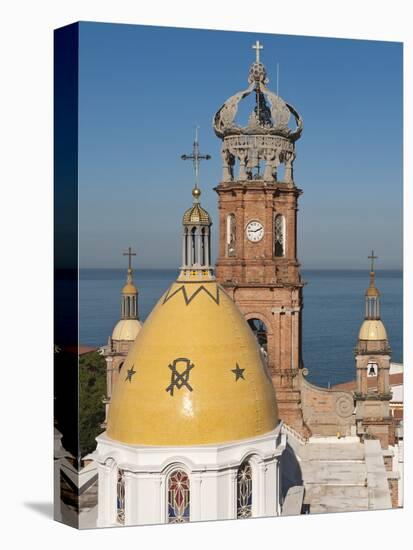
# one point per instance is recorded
(209, 412)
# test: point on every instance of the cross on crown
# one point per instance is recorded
(257, 47)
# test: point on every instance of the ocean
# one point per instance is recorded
(332, 315)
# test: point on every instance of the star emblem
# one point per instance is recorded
(131, 372)
(239, 373)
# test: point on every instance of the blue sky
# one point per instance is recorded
(143, 89)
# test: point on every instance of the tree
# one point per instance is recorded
(92, 388)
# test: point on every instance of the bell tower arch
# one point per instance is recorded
(257, 262)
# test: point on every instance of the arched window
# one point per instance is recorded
(178, 497)
(120, 497)
(203, 246)
(244, 491)
(186, 247)
(120, 366)
(193, 246)
(260, 331)
(231, 235)
(373, 307)
(279, 236)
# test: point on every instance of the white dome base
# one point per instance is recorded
(212, 472)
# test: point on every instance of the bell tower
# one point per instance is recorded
(372, 355)
(123, 335)
(258, 203)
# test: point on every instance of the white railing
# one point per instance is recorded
(290, 431)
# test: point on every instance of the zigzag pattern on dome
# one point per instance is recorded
(188, 297)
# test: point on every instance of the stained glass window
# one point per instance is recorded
(279, 236)
(178, 497)
(244, 491)
(120, 497)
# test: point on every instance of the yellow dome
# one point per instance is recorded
(372, 330)
(194, 374)
(129, 288)
(196, 214)
(126, 329)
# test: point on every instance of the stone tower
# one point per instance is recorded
(123, 335)
(372, 355)
(257, 262)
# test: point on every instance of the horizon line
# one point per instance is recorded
(400, 268)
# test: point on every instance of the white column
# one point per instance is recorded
(106, 495)
(131, 504)
(261, 487)
(232, 508)
(195, 487)
(184, 249)
(278, 486)
(150, 494)
(189, 248)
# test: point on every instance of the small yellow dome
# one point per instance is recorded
(372, 329)
(194, 374)
(196, 214)
(129, 288)
(372, 291)
(126, 329)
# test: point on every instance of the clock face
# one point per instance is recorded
(255, 231)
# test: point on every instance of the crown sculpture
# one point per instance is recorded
(268, 136)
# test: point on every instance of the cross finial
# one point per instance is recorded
(130, 254)
(372, 257)
(196, 157)
(257, 47)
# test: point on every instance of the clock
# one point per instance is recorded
(255, 231)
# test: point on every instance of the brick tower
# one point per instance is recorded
(257, 262)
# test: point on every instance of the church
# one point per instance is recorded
(209, 414)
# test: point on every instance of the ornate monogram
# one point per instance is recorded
(179, 378)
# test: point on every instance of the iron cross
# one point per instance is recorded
(196, 157)
(130, 254)
(257, 47)
(372, 258)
